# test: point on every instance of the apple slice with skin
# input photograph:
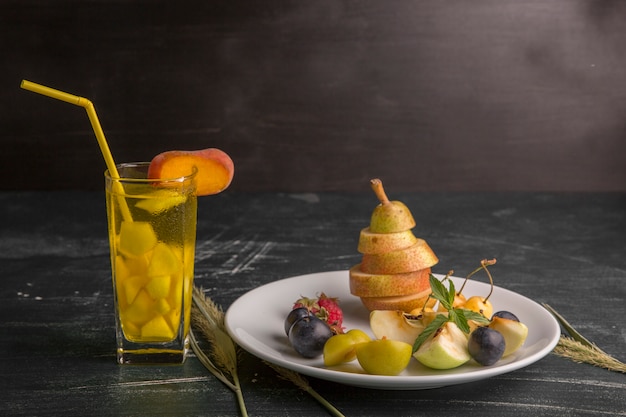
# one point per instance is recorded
(514, 333)
(215, 168)
(393, 325)
(445, 349)
(387, 285)
(413, 258)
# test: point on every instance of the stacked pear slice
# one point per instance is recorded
(395, 269)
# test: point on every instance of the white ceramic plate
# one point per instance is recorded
(255, 322)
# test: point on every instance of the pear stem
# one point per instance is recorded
(377, 186)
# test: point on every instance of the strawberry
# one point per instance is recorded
(325, 308)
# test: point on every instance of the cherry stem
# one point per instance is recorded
(483, 263)
(425, 304)
(450, 272)
(377, 186)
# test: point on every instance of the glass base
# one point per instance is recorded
(151, 354)
(151, 357)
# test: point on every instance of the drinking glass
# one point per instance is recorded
(152, 236)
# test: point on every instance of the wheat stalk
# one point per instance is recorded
(207, 318)
(221, 360)
(303, 384)
(580, 350)
(577, 352)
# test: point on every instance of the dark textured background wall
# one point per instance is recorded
(322, 95)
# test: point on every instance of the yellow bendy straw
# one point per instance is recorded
(95, 124)
(91, 113)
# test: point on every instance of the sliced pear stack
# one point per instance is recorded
(395, 268)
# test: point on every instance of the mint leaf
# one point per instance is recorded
(472, 315)
(451, 293)
(432, 327)
(440, 293)
(457, 315)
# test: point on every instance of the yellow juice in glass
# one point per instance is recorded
(152, 234)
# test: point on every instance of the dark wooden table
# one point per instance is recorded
(57, 330)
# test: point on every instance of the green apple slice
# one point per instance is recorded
(445, 349)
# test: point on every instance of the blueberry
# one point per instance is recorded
(308, 336)
(505, 315)
(295, 315)
(486, 345)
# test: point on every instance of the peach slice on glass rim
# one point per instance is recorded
(215, 168)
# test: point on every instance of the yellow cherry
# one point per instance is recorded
(459, 302)
(479, 305)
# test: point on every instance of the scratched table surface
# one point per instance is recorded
(57, 329)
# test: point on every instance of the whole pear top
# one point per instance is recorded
(389, 216)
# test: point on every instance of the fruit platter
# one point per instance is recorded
(266, 338)
(389, 322)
